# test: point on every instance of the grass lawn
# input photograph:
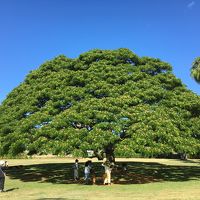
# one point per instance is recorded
(146, 179)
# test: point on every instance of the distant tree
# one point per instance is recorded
(109, 101)
(195, 70)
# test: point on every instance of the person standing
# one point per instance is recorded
(75, 167)
(108, 168)
(87, 171)
(2, 180)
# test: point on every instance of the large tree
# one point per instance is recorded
(108, 101)
(195, 70)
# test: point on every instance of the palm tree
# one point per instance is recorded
(195, 70)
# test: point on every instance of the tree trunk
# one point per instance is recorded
(110, 156)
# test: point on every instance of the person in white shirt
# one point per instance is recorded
(87, 171)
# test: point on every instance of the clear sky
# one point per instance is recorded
(34, 31)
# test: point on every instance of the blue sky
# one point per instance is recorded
(34, 31)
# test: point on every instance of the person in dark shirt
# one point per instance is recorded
(2, 180)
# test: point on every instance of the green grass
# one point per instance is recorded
(146, 179)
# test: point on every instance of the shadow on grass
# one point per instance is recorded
(11, 189)
(55, 199)
(137, 173)
(191, 161)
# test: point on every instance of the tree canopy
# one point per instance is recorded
(109, 101)
(195, 70)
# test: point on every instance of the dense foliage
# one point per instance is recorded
(195, 70)
(106, 100)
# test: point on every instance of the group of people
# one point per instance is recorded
(89, 173)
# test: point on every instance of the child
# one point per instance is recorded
(75, 167)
